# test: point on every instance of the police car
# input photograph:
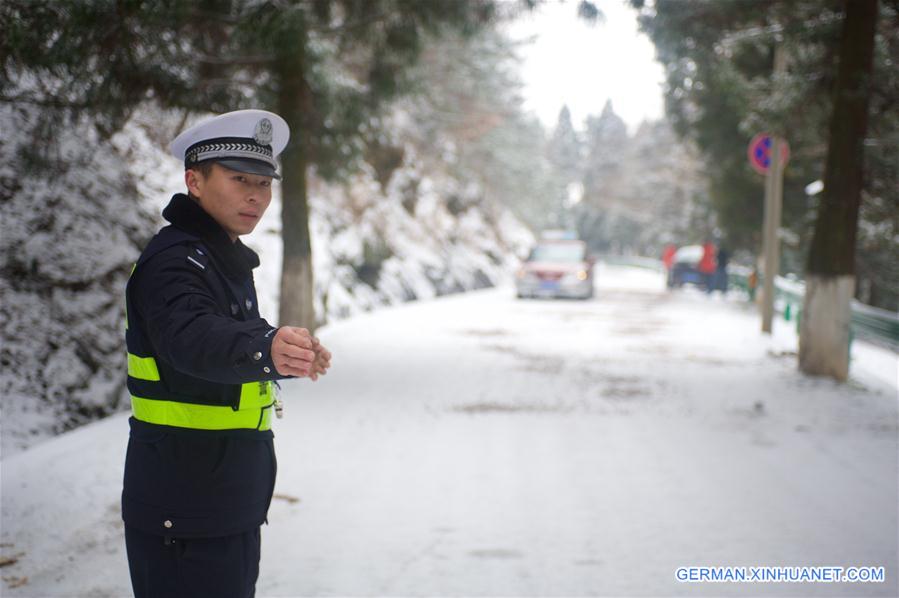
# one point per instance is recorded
(557, 266)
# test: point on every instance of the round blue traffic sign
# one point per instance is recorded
(760, 153)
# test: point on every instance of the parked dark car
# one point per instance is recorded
(685, 269)
(556, 268)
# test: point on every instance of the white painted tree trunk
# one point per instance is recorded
(296, 303)
(824, 328)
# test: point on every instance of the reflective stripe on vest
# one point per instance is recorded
(254, 411)
(143, 368)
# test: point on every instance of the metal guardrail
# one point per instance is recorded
(876, 323)
(873, 323)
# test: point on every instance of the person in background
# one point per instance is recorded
(707, 265)
(722, 258)
(668, 260)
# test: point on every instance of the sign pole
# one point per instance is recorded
(773, 206)
(773, 184)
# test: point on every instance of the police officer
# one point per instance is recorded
(202, 366)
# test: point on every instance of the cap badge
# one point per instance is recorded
(263, 133)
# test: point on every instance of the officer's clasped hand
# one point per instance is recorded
(322, 360)
(295, 352)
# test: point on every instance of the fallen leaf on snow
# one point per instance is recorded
(6, 561)
(15, 582)
(287, 497)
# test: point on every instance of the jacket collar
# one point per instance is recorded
(235, 258)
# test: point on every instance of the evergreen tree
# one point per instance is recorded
(328, 66)
(666, 191)
(607, 142)
(642, 191)
(599, 217)
(720, 91)
(564, 151)
(718, 58)
(468, 93)
(603, 211)
(830, 280)
(565, 147)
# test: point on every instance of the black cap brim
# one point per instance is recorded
(249, 167)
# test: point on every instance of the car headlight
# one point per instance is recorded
(582, 275)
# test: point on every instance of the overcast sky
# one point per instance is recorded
(571, 62)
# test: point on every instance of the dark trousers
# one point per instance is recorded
(225, 567)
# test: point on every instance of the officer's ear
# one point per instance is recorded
(194, 180)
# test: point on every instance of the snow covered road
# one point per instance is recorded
(479, 445)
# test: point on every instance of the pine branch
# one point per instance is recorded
(236, 60)
(352, 25)
(46, 102)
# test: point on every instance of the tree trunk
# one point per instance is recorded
(297, 297)
(824, 341)
(830, 275)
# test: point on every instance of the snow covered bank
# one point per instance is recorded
(67, 244)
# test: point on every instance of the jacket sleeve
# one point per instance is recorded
(189, 331)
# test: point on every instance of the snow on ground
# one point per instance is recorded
(480, 445)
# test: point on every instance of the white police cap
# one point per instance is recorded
(244, 140)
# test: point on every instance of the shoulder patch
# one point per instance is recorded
(197, 257)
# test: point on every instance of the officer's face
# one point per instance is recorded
(236, 200)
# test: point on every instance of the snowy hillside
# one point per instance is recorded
(68, 242)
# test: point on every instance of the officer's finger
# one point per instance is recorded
(293, 330)
(286, 336)
(292, 361)
(303, 368)
(299, 364)
(298, 337)
(290, 346)
(294, 352)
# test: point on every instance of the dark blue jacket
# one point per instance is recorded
(192, 305)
